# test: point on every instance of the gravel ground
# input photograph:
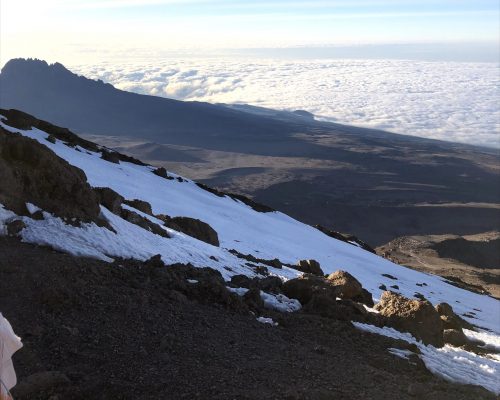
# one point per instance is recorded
(92, 330)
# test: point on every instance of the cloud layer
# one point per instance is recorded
(442, 100)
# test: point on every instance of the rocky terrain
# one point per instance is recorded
(471, 261)
(129, 281)
(136, 330)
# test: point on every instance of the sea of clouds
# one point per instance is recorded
(453, 101)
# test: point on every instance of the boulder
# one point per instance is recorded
(309, 267)
(140, 205)
(241, 281)
(253, 299)
(451, 320)
(162, 172)
(192, 227)
(455, 337)
(30, 172)
(15, 227)
(347, 285)
(109, 199)
(365, 297)
(304, 287)
(110, 156)
(270, 284)
(414, 316)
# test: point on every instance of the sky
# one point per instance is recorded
(74, 31)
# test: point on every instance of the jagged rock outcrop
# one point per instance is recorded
(451, 320)
(140, 205)
(455, 337)
(351, 239)
(414, 316)
(30, 172)
(365, 297)
(110, 199)
(110, 156)
(309, 267)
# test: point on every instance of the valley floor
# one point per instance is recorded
(112, 332)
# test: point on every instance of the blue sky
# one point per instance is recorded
(86, 28)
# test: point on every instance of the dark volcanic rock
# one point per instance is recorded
(455, 337)
(351, 239)
(110, 199)
(309, 267)
(249, 202)
(163, 173)
(140, 205)
(414, 316)
(30, 172)
(347, 285)
(365, 297)
(451, 320)
(192, 227)
(269, 284)
(144, 223)
(14, 227)
(253, 299)
(110, 156)
(304, 287)
(20, 120)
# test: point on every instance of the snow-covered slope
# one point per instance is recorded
(265, 235)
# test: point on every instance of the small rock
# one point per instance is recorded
(163, 173)
(15, 227)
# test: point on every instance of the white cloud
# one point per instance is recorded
(443, 100)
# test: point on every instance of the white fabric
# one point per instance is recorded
(9, 344)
